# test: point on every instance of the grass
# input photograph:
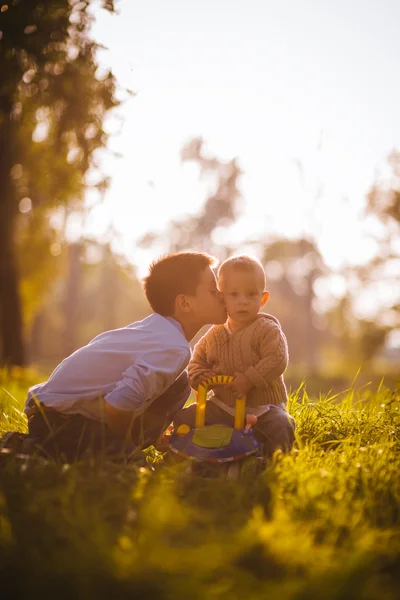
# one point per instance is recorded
(320, 522)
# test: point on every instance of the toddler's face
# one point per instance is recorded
(243, 293)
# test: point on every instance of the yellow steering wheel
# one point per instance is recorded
(202, 400)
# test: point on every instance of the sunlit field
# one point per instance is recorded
(321, 522)
(131, 130)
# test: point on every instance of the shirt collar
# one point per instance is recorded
(175, 323)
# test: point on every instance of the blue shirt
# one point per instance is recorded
(128, 367)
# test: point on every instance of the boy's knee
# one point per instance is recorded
(181, 386)
(177, 394)
(186, 416)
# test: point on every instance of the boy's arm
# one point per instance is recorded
(119, 421)
(142, 382)
(274, 352)
(199, 368)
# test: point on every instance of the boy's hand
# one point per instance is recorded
(240, 385)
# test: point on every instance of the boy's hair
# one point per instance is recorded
(243, 262)
(174, 274)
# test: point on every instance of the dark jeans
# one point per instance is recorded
(70, 437)
(274, 429)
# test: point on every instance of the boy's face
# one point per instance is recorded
(243, 295)
(207, 305)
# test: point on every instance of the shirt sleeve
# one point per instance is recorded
(33, 396)
(148, 377)
(274, 356)
(198, 364)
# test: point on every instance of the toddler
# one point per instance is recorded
(251, 347)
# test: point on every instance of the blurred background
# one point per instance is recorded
(130, 129)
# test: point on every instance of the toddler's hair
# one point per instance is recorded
(174, 274)
(242, 262)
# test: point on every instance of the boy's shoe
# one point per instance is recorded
(17, 442)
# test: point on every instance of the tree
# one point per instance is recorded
(52, 107)
(219, 210)
(382, 273)
(292, 268)
(384, 197)
(104, 294)
(299, 260)
(360, 338)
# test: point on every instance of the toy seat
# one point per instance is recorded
(214, 443)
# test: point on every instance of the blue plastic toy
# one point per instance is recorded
(215, 443)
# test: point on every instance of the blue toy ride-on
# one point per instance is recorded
(210, 444)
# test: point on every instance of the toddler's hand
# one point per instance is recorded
(250, 421)
(240, 385)
(208, 375)
(204, 377)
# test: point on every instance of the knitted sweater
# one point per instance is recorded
(259, 351)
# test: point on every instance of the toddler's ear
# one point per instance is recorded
(264, 298)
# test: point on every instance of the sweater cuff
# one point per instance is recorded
(254, 376)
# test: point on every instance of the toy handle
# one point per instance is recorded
(202, 400)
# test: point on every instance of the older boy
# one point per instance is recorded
(123, 388)
(251, 347)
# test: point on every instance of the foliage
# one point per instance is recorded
(384, 197)
(322, 521)
(95, 290)
(383, 204)
(53, 104)
(361, 339)
(292, 268)
(219, 210)
(318, 336)
(49, 67)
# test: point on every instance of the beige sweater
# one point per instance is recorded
(259, 351)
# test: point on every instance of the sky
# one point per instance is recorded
(275, 84)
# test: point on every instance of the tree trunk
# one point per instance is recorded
(12, 349)
(35, 344)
